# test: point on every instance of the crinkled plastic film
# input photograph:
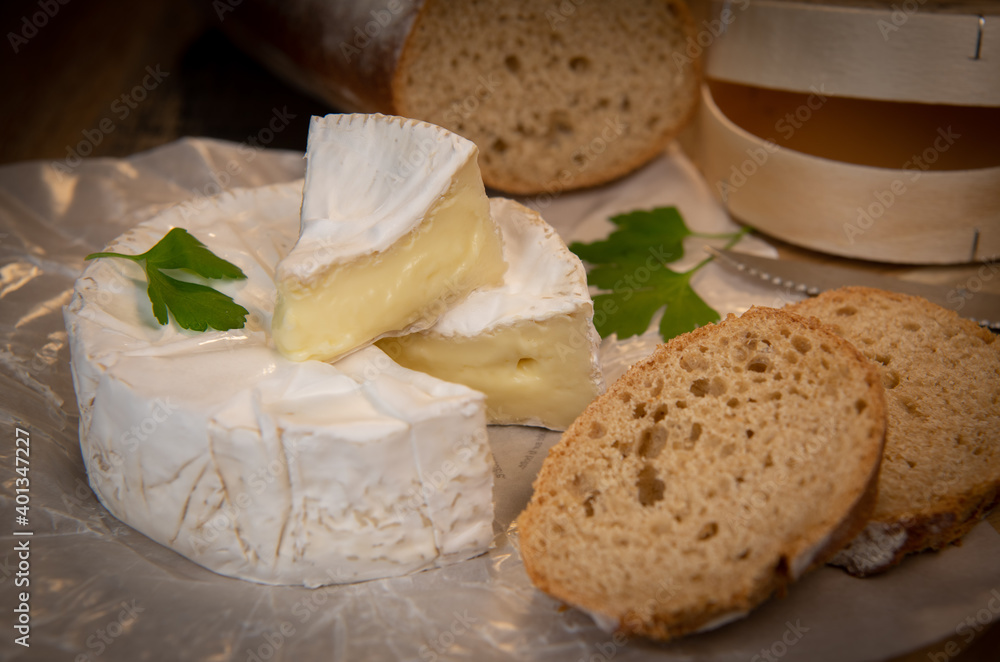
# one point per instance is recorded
(98, 590)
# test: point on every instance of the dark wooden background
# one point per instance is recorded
(62, 82)
(70, 77)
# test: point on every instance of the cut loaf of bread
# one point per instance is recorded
(941, 467)
(557, 95)
(709, 476)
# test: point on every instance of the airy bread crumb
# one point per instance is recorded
(709, 476)
(557, 96)
(941, 467)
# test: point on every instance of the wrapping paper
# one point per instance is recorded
(98, 590)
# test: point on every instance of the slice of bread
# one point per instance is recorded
(557, 95)
(709, 476)
(941, 468)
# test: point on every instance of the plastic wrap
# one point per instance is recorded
(98, 590)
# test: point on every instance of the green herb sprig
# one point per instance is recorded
(630, 267)
(195, 307)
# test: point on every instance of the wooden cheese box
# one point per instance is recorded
(859, 128)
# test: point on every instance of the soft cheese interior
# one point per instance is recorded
(395, 229)
(254, 465)
(529, 344)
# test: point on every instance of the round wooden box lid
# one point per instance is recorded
(929, 51)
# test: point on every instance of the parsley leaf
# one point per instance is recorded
(638, 233)
(180, 250)
(630, 267)
(193, 306)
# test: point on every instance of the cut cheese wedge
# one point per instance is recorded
(254, 465)
(529, 344)
(395, 229)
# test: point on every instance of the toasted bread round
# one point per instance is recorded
(941, 467)
(709, 476)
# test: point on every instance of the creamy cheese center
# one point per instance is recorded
(407, 286)
(530, 371)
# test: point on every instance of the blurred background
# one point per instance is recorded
(85, 63)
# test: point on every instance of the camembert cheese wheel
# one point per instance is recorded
(255, 465)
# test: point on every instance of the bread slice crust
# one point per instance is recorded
(557, 95)
(941, 470)
(709, 476)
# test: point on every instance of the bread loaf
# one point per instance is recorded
(941, 468)
(709, 476)
(556, 95)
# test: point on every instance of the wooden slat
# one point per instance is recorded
(930, 52)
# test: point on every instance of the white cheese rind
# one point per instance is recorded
(529, 343)
(543, 279)
(395, 227)
(256, 466)
(369, 181)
